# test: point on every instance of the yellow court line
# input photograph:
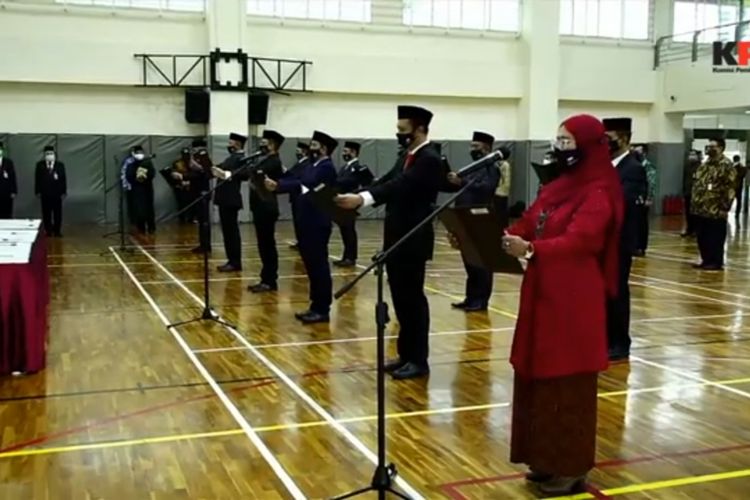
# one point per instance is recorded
(669, 483)
(321, 423)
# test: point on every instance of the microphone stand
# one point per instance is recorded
(204, 238)
(382, 480)
(120, 214)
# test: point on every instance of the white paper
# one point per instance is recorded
(17, 253)
(20, 224)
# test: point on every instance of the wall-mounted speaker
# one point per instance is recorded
(197, 106)
(257, 108)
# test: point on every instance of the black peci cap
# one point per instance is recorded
(326, 140)
(419, 116)
(274, 136)
(353, 145)
(618, 124)
(239, 138)
(484, 138)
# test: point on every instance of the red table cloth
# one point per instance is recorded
(24, 297)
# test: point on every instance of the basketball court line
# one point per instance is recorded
(366, 418)
(689, 285)
(281, 474)
(688, 294)
(348, 340)
(346, 433)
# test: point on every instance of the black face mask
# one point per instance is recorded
(264, 149)
(231, 149)
(315, 154)
(299, 156)
(405, 139)
(347, 157)
(614, 146)
(476, 154)
(712, 152)
(566, 158)
(639, 156)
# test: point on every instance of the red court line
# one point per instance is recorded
(451, 489)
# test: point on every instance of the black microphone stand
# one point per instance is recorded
(120, 214)
(204, 238)
(382, 480)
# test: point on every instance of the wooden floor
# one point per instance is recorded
(128, 409)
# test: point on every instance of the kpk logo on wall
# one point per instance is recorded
(731, 57)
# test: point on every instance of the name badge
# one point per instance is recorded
(54, 176)
(479, 211)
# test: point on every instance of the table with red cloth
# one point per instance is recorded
(24, 296)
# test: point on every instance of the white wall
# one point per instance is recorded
(638, 112)
(694, 87)
(81, 66)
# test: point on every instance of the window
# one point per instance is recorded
(694, 15)
(494, 15)
(332, 10)
(177, 5)
(629, 19)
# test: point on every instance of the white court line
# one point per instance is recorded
(688, 285)
(730, 264)
(349, 340)
(688, 294)
(690, 376)
(346, 433)
(236, 414)
(686, 318)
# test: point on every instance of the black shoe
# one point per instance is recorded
(345, 263)
(698, 265)
(474, 307)
(228, 268)
(459, 305)
(302, 314)
(262, 288)
(537, 477)
(313, 317)
(712, 268)
(616, 356)
(560, 485)
(393, 365)
(411, 370)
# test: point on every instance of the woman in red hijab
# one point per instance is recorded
(570, 238)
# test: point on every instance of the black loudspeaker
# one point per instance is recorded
(257, 109)
(197, 106)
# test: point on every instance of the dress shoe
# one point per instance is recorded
(459, 305)
(712, 268)
(302, 314)
(345, 263)
(262, 288)
(474, 307)
(313, 317)
(228, 268)
(393, 364)
(409, 371)
(534, 476)
(563, 485)
(698, 265)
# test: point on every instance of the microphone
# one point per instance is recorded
(484, 162)
(252, 156)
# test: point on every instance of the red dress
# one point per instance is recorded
(561, 328)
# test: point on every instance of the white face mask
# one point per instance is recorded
(49, 157)
(139, 156)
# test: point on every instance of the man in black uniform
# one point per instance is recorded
(50, 185)
(634, 186)
(228, 197)
(199, 177)
(302, 155)
(480, 193)
(409, 192)
(140, 175)
(265, 208)
(352, 177)
(8, 185)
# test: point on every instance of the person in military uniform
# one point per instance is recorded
(140, 175)
(352, 177)
(480, 193)
(264, 206)
(641, 153)
(409, 191)
(228, 197)
(199, 176)
(634, 187)
(714, 189)
(301, 153)
(51, 187)
(314, 224)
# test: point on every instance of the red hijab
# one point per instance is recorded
(594, 171)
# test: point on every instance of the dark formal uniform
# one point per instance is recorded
(142, 193)
(50, 185)
(181, 187)
(741, 173)
(481, 193)
(199, 177)
(351, 178)
(295, 172)
(314, 228)
(265, 208)
(228, 197)
(8, 187)
(635, 186)
(409, 192)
